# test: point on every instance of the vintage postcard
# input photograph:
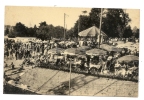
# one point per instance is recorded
(71, 51)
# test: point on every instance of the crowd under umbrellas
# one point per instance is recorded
(108, 60)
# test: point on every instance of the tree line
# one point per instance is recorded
(115, 23)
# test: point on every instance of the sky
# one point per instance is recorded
(53, 15)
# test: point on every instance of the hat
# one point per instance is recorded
(109, 58)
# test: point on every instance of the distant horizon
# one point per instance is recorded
(33, 15)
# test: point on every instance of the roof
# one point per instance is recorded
(92, 31)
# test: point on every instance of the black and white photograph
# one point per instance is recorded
(73, 51)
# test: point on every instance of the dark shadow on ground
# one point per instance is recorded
(76, 83)
(10, 89)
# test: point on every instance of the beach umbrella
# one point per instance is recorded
(96, 52)
(72, 51)
(55, 51)
(111, 48)
(128, 58)
(83, 48)
(77, 51)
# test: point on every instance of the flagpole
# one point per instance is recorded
(100, 27)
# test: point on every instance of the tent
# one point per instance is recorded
(92, 31)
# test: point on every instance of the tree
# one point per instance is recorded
(6, 32)
(135, 32)
(70, 33)
(42, 31)
(95, 16)
(84, 22)
(115, 22)
(12, 34)
(20, 29)
(127, 32)
(46, 31)
(31, 32)
(58, 32)
(81, 24)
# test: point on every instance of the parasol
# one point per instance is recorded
(72, 51)
(77, 51)
(96, 52)
(55, 51)
(128, 58)
(111, 48)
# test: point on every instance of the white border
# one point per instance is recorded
(131, 4)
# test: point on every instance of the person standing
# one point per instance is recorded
(42, 48)
(16, 54)
(12, 65)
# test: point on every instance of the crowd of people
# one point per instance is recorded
(36, 54)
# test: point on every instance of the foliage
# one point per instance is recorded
(95, 16)
(46, 32)
(114, 21)
(135, 32)
(70, 33)
(114, 24)
(81, 24)
(127, 32)
(11, 34)
(31, 32)
(20, 29)
(42, 31)
(6, 32)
